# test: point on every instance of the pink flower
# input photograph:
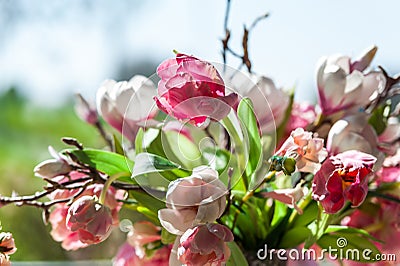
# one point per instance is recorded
(71, 240)
(143, 233)
(308, 151)
(343, 177)
(343, 85)
(352, 133)
(90, 219)
(270, 104)
(193, 200)
(302, 115)
(127, 105)
(126, 256)
(192, 90)
(7, 245)
(203, 245)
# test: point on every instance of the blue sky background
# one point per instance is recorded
(51, 49)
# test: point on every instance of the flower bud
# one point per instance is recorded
(52, 167)
(84, 110)
(205, 245)
(192, 90)
(90, 219)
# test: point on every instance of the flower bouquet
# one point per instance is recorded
(223, 168)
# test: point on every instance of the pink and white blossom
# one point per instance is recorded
(269, 102)
(127, 105)
(308, 150)
(197, 199)
(344, 84)
(353, 133)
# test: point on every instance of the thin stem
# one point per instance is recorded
(107, 185)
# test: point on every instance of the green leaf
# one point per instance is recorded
(237, 258)
(220, 157)
(145, 200)
(167, 237)
(294, 237)
(378, 119)
(247, 117)
(280, 212)
(268, 147)
(106, 162)
(150, 163)
(117, 145)
(309, 215)
(282, 127)
(184, 149)
(139, 141)
(149, 214)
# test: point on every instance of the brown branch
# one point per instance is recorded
(245, 59)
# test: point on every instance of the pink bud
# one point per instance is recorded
(84, 110)
(192, 90)
(53, 167)
(205, 245)
(90, 219)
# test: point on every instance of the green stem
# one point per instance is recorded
(383, 196)
(249, 194)
(302, 205)
(239, 149)
(107, 185)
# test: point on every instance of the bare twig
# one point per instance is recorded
(245, 59)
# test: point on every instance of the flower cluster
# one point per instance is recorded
(199, 162)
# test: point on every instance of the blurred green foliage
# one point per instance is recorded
(26, 131)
